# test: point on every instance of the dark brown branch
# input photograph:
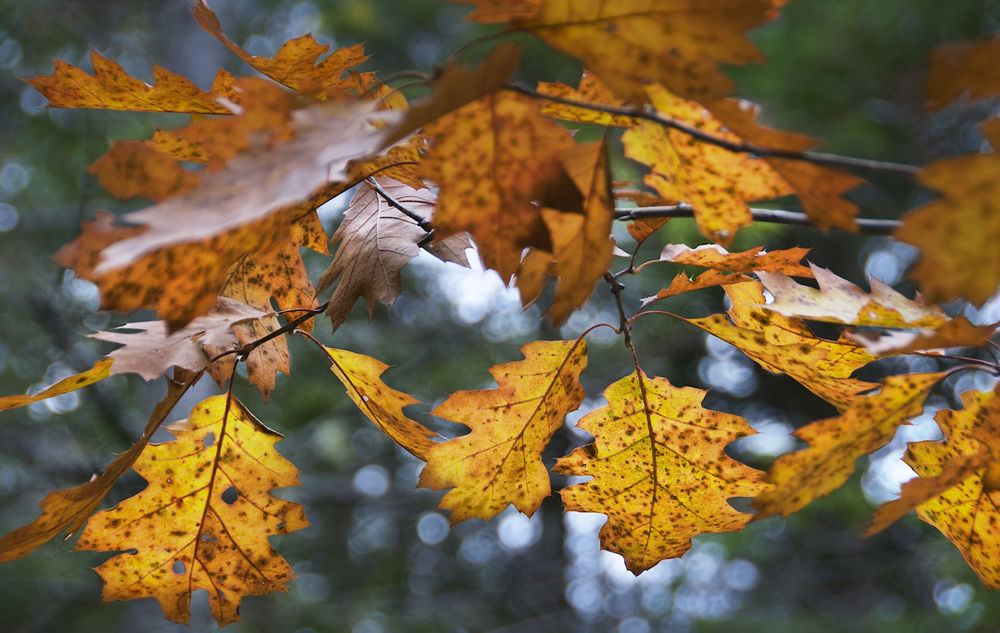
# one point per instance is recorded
(777, 216)
(421, 221)
(649, 114)
(244, 351)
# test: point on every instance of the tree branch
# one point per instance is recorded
(649, 114)
(776, 216)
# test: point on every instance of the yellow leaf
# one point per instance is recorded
(785, 345)
(957, 233)
(500, 461)
(100, 371)
(835, 443)
(204, 519)
(717, 183)
(380, 403)
(590, 90)
(659, 470)
(493, 160)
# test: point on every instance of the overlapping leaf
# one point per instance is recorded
(867, 425)
(968, 67)
(957, 332)
(97, 373)
(494, 160)
(375, 241)
(958, 490)
(204, 519)
(717, 183)
(659, 470)
(380, 403)
(786, 345)
(628, 43)
(500, 461)
(957, 233)
(840, 301)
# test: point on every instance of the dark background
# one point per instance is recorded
(379, 557)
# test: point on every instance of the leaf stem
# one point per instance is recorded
(421, 221)
(245, 350)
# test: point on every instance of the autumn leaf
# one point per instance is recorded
(959, 68)
(204, 519)
(97, 373)
(296, 64)
(590, 90)
(957, 233)
(786, 345)
(958, 490)
(867, 425)
(659, 470)
(493, 159)
(152, 350)
(840, 301)
(500, 461)
(375, 241)
(957, 332)
(582, 244)
(65, 511)
(111, 88)
(133, 169)
(717, 183)
(380, 403)
(632, 42)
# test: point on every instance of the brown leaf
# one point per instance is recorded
(958, 68)
(957, 332)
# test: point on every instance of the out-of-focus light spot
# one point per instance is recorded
(741, 575)
(951, 597)
(432, 528)
(517, 531)
(10, 53)
(8, 217)
(14, 178)
(633, 625)
(368, 625)
(311, 587)
(477, 548)
(371, 481)
(585, 596)
(32, 102)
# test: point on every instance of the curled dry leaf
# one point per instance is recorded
(97, 373)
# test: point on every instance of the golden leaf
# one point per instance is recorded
(97, 373)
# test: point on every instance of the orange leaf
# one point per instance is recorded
(840, 301)
(958, 232)
(111, 88)
(835, 443)
(629, 43)
(958, 68)
(380, 403)
(590, 90)
(100, 371)
(958, 491)
(500, 461)
(493, 159)
(659, 470)
(785, 345)
(204, 519)
(65, 511)
(489, 11)
(716, 182)
(681, 284)
(134, 169)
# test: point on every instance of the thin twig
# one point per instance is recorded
(649, 114)
(245, 350)
(777, 216)
(421, 221)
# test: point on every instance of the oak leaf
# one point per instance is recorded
(717, 183)
(493, 160)
(840, 301)
(659, 470)
(958, 489)
(968, 67)
(134, 169)
(375, 241)
(204, 519)
(111, 88)
(380, 403)
(500, 461)
(66, 511)
(957, 332)
(97, 373)
(590, 90)
(786, 345)
(629, 43)
(957, 233)
(867, 425)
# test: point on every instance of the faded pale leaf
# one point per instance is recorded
(184, 531)
(717, 183)
(659, 470)
(152, 350)
(100, 371)
(840, 301)
(786, 345)
(65, 511)
(957, 332)
(383, 405)
(493, 160)
(957, 233)
(958, 68)
(111, 88)
(867, 425)
(500, 461)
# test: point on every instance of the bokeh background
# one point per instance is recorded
(379, 557)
